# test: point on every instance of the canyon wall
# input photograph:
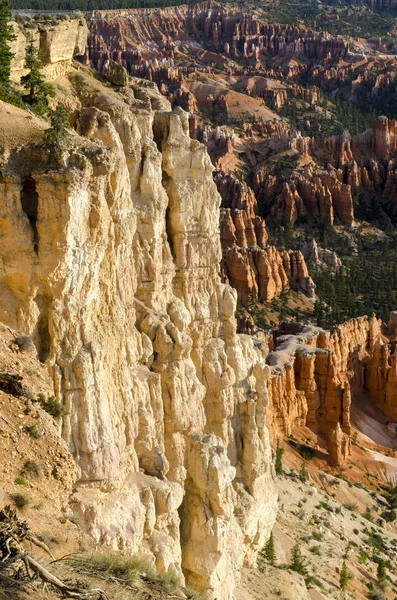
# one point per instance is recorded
(315, 374)
(110, 260)
(57, 41)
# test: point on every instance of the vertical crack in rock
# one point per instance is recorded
(29, 202)
(42, 333)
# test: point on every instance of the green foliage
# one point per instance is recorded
(269, 551)
(278, 463)
(298, 563)
(390, 494)
(368, 515)
(132, 571)
(52, 406)
(303, 474)
(376, 541)
(376, 595)
(344, 577)
(316, 550)
(34, 82)
(352, 506)
(381, 573)
(317, 535)
(19, 481)
(363, 557)
(365, 285)
(306, 452)
(56, 135)
(7, 94)
(33, 431)
(20, 500)
(6, 36)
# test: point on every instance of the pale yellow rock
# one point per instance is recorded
(116, 278)
(58, 43)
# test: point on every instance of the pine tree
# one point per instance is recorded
(269, 550)
(34, 82)
(381, 572)
(303, 474)
(6, 36)
(55, 135)
(278, 463)
(298, 563)
(344, 577)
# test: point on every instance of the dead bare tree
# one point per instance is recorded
(19, 568)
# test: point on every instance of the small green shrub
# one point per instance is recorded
(352, 506)
(33, 431)
(363, 557)
(306, 452)
(316, 550)
(20, 500)
(19, 481)
(317, 535)
(376, 595)
(344, 577)
(7, 94)
(325, 506)
(269, 551)
(303, 474)
(311, 581)
(376, 541)
(52, 406)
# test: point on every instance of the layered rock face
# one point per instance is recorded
(57, 44)
(110, 262)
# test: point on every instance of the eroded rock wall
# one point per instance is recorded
(57, 43)
(314, 373)
(110, 261)
(248, 264)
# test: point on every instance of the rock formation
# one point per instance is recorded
(251, 267)
(315, 373)
(116, 34)
(58, 44)
(110, 263)
(321, 256)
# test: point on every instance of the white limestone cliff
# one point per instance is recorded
(110, 261)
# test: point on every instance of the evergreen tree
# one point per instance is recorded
(269, 550)
(303, 474)
(344, 577)
(298, 563)
(55, 136)
(6, 36)
(278, 463)
(381, 573)
(34, 82)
